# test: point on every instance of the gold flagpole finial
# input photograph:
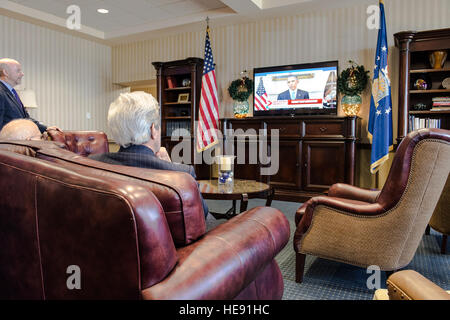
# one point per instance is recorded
(207, 21)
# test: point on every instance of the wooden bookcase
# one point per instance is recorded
(174, 80)
(414, 48)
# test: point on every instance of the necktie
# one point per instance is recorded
(18, 99)
(293, 95)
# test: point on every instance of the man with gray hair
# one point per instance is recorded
(134, 123)
(11, 107)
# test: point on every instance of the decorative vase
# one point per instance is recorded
(351, 105)
(437, 59)
(241, 109)
(225, 173)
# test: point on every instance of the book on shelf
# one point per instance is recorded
(440, 108)
(435, 104)
(171, 82)
(440, 100)
(416, 123)
(437, 99)
(172, 126)
(440, 104)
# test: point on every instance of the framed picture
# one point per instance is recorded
(183, 97)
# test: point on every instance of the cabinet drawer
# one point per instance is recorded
(250, 127)
(285, 128)
(312, 129)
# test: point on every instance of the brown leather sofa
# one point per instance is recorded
(134, 233)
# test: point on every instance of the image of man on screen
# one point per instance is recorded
(293, 93)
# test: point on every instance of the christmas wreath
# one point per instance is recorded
(241, 89)
(353, 80)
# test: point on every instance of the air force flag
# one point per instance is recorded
(380, 117)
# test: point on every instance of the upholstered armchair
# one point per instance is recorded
(83, 143)
(440, 220)
(382, 228)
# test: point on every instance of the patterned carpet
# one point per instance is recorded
(330, 280)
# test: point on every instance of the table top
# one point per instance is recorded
(210, 189)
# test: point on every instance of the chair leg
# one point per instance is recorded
(299, 267)
(444, 244)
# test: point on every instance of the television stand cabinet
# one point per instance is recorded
(314, 152)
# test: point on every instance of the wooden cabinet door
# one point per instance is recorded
(246, 164)
(323, 164)
(289, 170)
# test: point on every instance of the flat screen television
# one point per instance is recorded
(301, 89)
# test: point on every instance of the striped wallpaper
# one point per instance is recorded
(329, 34)
(71, 76)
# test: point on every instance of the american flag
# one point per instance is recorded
(261, 99)
(208, 119)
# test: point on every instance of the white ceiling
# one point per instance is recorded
(123, 14)
(128, 18)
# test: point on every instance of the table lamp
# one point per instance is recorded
(28, 98)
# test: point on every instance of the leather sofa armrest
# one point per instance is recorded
(347, 191)
(305, 213)
(411, 285)
(227, 259)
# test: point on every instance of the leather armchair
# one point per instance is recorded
(134, 234)
(410, 285)
(356, 226)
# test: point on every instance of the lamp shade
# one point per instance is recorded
(28, 98)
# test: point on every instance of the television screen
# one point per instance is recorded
(296, 89)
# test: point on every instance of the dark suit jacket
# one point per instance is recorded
(143, 157)
(10, 109)
(287, 96)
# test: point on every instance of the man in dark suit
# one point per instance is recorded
(293, 93)
(134, 123)
(11, 106)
